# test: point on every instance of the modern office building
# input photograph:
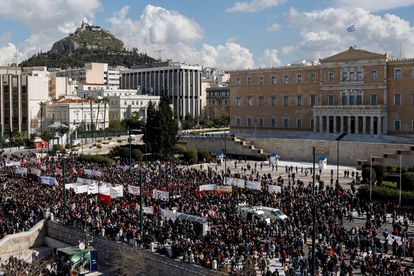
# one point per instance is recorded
(355, 91)
(20, 96)
(179, 82)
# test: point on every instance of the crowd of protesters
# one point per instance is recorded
(232, 243)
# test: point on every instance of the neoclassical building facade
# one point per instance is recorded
(355, 91)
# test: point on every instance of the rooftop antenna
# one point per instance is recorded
(159, 53)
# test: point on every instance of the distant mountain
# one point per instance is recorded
(88, 44)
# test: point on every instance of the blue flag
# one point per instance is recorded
(350, 28)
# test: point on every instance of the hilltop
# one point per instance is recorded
(88, 44)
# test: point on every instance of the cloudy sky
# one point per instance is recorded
(226, 34)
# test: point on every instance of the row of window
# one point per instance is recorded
(346, 76)
(274, 79)
(286, 123)
(250, 122)
(346, 99)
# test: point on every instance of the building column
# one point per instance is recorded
(385, 125)
(334, 123)
(356, 124)
(349, 125)
(364, 124)
(379, 125)
(328, 124)
(372, 125)
(314, 123)
(342, 124)
(320, 123)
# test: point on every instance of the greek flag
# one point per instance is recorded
(350, 28)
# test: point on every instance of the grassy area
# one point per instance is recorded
(389, 184)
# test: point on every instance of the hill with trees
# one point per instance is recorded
(88, 44)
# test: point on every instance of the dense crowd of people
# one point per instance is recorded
(232, 243)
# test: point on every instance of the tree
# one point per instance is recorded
(105, 101)
(366, 174)
(91, 100)
(407, 181)
(161, 129)
(98, 101)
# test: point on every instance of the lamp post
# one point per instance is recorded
(313, 214)
(130, 150)
(339, 138)
(399, 152)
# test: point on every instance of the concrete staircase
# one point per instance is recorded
(247, 145)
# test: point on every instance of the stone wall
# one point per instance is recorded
(217, 144)
(301, 149)
(18, 244)
(117, 255)
(349, 152)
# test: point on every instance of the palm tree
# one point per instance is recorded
(98, 101)
(105, 101)
(91, 100)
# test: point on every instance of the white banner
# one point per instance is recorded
(274, 189)
(92, 172)
(13, 164)
(168, 214)
(208, 187)
(47, 180)
(71, 185)
(254, 185)
(133, 190)
(85, 181)
(93, 188)
(35, 171)
(21, 171)
(105, 190)
(224, 188)
(148, 210)
(117, 191)
(81, 189)
(238, 182)
(392, 238)
(157, 194)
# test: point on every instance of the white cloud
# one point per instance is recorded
(274, 28)
(254, 5)
(228, 56)
(8, 51)
(270, 58)
(158, 28)
(323, 32)
(48, 20)
(374, 5)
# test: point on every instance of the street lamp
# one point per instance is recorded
(399, 152)
(130, 150)
(339, 138)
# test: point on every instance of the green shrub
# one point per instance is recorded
(385, 194)
(204, 155)
(366, 174)
(119, 141)
(57, 148)
(122, 152)
(191, 156)
(99, 141)
(68, 146)
(109, 138)
(99, 146)
(136, 154)
(100, 159)
(392, 168)
(407, 181)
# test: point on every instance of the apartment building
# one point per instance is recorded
(179, 82)
(355, 91)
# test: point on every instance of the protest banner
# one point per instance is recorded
(133, 189)
(274, 189)
(208, 187)
(47, 180)
(157, 194)
(254, 185)
(117, 191)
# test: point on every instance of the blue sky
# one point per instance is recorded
(221, 33)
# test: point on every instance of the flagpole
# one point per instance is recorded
(141, 223)
(64, 190)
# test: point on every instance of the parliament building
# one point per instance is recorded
(355, 91)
